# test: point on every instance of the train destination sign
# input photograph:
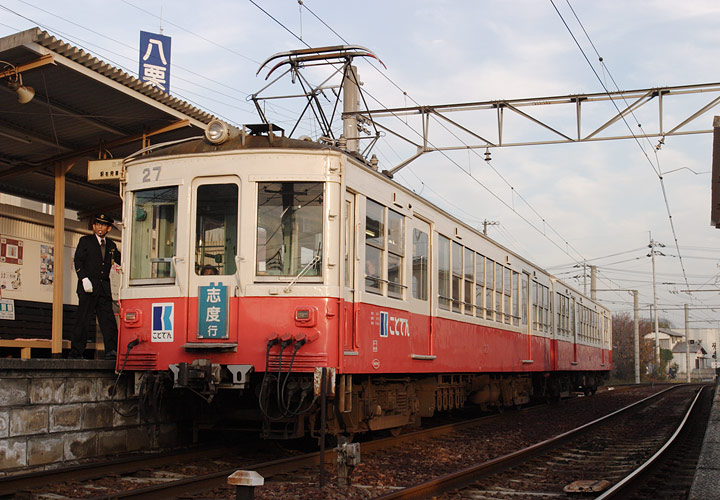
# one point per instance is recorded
(212, 312)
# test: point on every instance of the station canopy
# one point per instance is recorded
(82, 109)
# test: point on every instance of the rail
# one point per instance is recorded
(464, 477)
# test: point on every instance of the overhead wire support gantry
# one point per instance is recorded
(632, 101)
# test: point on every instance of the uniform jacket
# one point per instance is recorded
(90, 264)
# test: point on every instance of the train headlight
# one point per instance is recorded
(217, 132)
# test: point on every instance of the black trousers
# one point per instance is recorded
(90, 304)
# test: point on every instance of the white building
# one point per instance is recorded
(700, 360)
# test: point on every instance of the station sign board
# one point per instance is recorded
(104, 170)
(155, 60)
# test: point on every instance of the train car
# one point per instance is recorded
(290, 283)
(257, 264)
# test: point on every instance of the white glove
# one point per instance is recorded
(87, 285)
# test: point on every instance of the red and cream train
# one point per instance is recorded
(253, 262)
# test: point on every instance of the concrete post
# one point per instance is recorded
(245, 482)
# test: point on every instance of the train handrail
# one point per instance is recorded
(237, 276)
(175, 259)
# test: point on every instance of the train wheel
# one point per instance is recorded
(395, 431)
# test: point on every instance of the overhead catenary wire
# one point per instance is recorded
(455, 163)
(656, 169)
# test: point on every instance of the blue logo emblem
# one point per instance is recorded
(383, 324)
(163, 316)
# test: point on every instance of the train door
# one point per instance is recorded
(349, 289)
(419, 293)
(212, 266)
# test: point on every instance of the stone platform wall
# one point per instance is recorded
(57, 412)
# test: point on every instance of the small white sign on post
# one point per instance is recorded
(104, 170)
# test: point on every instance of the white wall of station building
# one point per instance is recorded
(27, 263)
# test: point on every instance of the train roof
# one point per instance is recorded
(247, 137)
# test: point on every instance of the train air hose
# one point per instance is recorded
(130, 346)
(281, 382)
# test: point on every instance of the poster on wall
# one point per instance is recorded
(10, 278)
(7, 309)
(11, 251)
(46, 265)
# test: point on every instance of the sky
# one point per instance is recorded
(561, 206)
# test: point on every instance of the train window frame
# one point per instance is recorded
(498, 301)
(221, 263)
(489, 289)
(480, 309)
(385, 232)
(468, 281)
(515, 298)
(420, 264)
(507, 295)
(456, 266)
(157, 196)
(395, 254)
(301, 268)
(443, 273)
(374, 246)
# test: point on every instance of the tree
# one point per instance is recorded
(623, 331)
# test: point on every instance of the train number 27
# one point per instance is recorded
(147, 174)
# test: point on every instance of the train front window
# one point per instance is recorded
(290, 228)
(216, 229)
(153, 235)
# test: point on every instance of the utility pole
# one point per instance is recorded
(687, 343)
(487, 223)
(652, 253)
(593, 282)
(637, 335)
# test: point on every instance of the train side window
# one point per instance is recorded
(153, 235)
(384, 250)
(216, 229)
(489, 289)
(290, 229)
(443, 272)
(479, 285)
(374, 246)
(535, 315)
(515, 298)
(396, 254)
(499, 312)
(457, 269)
(507, 289)
(524, 300)
(469, 272)
(420, 265)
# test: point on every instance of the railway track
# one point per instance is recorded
(616, 450)
(176, 476)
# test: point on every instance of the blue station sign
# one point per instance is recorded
(155, 60)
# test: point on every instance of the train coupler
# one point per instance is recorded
(206, 377)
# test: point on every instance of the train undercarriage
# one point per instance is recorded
(289, 406)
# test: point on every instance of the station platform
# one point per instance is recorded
(59, 412)
(706, 485)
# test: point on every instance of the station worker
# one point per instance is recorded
(94, 257)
